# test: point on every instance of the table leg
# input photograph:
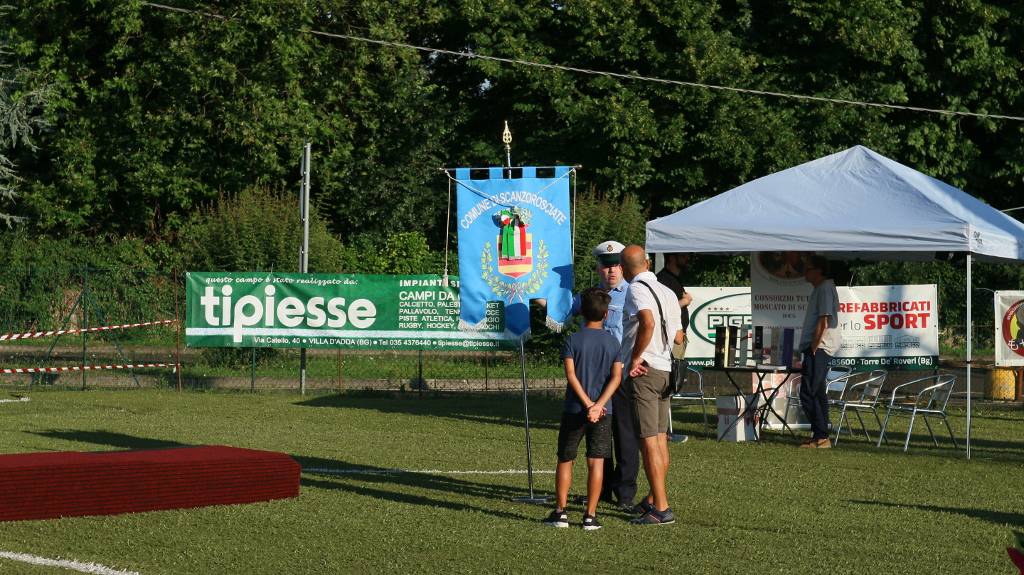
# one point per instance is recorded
(770, 408)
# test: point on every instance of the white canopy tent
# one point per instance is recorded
(853, 204)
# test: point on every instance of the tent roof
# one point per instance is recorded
(856, 203)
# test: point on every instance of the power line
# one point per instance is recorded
(618, 75)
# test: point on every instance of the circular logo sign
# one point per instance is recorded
(1013, 328)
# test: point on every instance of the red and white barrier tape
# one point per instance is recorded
(82, 368)
(34, 334)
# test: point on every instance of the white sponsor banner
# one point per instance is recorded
(894, 327)
(889, 326)
(1009, 320)
(713, 307)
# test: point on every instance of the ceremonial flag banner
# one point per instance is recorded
(1009, 340)
(332, 311)
(515, 245)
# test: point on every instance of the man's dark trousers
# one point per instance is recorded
(620, 475)
(813, 398)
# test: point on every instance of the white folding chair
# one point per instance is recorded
(835, 387)
(861, 394)
(930, 401)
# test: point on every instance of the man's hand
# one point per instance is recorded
(596, 412)
(637, 368)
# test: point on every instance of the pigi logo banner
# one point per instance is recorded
(331, 311)
(713, 307)
(514, 245)
(1009, 340)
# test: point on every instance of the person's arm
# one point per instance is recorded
(598, 408)
(644, 332)
(828, 302)
(574, 383)
(819, 332)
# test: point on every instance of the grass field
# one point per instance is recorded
(765, 508)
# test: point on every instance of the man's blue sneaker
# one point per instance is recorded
(655, 517)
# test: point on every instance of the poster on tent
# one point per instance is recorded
(778, 289)
(887, 327)
(1009, 320)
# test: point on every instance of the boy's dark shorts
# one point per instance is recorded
(571, 431)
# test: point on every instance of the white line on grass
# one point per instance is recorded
(363, 471)
(16, 400)
(93, 568)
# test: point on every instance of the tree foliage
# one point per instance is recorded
(21, 101)
(155, 114)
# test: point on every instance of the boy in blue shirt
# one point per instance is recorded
(593, 372)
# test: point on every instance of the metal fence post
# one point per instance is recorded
(419, 368)
(85, 319)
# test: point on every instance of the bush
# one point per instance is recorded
(257, 230)
(42, 279)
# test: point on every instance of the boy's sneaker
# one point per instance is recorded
(590, 523)
(558, 518)
(655, 517)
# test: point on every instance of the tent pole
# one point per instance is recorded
(969, 354)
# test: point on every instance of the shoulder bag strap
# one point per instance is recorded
(661, 312)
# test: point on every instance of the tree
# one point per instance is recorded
(20, 104)
(157, 113)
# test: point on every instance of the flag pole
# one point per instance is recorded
(506, 138)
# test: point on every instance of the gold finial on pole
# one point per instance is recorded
(506, 137)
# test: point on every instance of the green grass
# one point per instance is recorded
(765, 508)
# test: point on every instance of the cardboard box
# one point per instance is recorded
(728, 408)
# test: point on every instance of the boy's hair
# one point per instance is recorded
(594, 304)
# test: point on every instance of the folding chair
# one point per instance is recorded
(835, 387)
(930, 401)
(863, 391)
(692, 395)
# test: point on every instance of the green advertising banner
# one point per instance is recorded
(332, 311)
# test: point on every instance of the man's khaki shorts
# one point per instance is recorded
(650, 403)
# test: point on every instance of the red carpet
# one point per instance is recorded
(49, 485)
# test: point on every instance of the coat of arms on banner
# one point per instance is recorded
(513, 247)
(507, 230)
(515, 244)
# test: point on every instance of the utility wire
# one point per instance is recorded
(619, 75)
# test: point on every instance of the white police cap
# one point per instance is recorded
(608, 252)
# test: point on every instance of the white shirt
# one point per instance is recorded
(658, 353)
